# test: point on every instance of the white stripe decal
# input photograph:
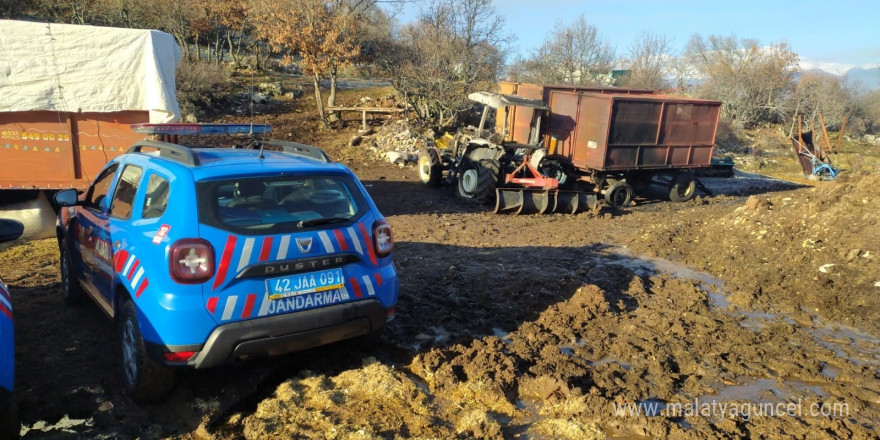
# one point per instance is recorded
(343, 292)
(230, 307)
(245, 254)
(5, 302)
(137, 277)
(356, 241)
(369, 283)
(128, 265)
(282, 248)
(264, 308)
(328, 245)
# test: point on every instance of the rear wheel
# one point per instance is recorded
(683, 188)
(619, 194)
(70, 288)
(144, 379)
(478, 180)
(430, 170)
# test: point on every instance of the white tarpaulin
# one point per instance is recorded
(72, 68)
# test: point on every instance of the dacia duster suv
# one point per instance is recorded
(203, 256)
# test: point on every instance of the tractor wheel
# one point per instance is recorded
(619, 194)
(430, 170)
(144, 379)
(683, 188)
(478, 180)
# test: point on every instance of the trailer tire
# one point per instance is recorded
(430, 170)
(70, 288)
(478, 180)
(682, 188)
(619, 195)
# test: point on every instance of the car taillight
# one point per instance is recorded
(383, 239)
(191, 261)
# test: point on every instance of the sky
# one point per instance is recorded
(834, 35)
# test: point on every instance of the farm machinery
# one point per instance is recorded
(559, 149)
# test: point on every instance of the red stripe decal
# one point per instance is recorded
(228, 249)
(341, 239)
(248, 306)
(267, 247)
(121, 257)
(212, 304)
(378, 279)
(133, 268)
(369, 243)
(356, 287)
(141, 289)
(5, 310)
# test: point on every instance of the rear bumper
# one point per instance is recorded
(282, 334)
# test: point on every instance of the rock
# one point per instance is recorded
(294, 92)
(355, 141)
(190, 119)
(756, 203)
(270, 89)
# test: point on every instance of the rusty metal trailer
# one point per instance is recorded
(556, 148)
(66, 113)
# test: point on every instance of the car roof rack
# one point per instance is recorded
(299, 150)
(171, 151)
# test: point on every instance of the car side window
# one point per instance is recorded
(156, 200)
(98, 191)
(123, 198)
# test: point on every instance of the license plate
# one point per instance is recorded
(303, 283)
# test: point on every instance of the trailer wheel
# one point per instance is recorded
(619, 194)
(478, 180)
(430, 170)
(683, 188)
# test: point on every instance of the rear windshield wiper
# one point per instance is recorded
(320, 221)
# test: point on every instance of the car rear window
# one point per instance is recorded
(279, 204)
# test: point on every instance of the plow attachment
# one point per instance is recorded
(537, 201)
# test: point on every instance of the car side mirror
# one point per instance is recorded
(10, 229)
(67, 197)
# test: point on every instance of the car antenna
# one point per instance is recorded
(253, 136)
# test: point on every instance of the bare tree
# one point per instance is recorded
(455, 48)
(575, 54)
(752, 81)
(648, 62)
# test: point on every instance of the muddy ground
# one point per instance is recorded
(752, 313)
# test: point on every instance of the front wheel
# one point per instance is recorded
(144, 379)
(478, 180)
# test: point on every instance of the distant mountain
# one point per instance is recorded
(867, 78)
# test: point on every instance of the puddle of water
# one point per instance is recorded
(501, 334)
(764, 391)
(848, 343)
(647, 266)
(441, 334)
(611, 360)
(830, 371)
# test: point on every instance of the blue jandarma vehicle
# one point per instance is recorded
(204, 256)
(9, 427)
